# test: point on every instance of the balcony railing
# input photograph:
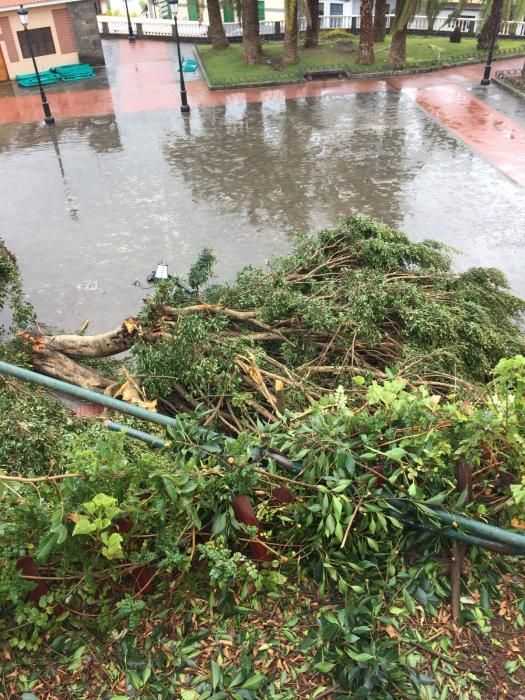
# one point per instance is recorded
(145, 26)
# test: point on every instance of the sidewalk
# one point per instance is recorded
(143, 77)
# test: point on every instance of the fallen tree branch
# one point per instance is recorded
(209, 309)
(102, 345)
(56, 364)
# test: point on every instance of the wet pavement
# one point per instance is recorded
(123, 180)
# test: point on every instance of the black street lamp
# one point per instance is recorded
(131, 36)
(486, 75)
(184, 100)
(24, 20)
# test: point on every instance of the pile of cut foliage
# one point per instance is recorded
(130, 572)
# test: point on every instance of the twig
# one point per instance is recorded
(350, 523)
(38, 479)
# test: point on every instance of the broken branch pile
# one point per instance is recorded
(361, 299)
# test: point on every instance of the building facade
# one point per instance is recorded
(61, 33)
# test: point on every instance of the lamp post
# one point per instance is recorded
(184, 100)
(486, 75)
(24, 20)
(131, 36)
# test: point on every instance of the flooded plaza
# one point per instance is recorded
(94, 203)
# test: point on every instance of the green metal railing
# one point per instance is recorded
(440, 521)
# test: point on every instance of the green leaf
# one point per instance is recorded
(62, 534)
(170, 488)
(361, 657)
(254, 682)
(436, 500)
(46, 546)
(84, 527)
(396, 453)
(216, 675)
(324, 666)
(219, 524)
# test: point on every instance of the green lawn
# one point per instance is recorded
(225, 67)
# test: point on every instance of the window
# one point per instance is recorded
(41, 40)
(336, 8)
(321, 9)
(228, 13)
(193, 10)
(260, 10)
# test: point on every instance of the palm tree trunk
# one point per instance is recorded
(291, 32)
(398, 48)
(491, 25)
(251, 42)
(366, 33)
(216, 33)
(380, 20)
(311, 39)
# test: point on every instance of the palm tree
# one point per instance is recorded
(491, 25)
(216, 32)
(366, 33)
(291, 32)
(251, 41)
(380, 20)
(493, 13)
(311, 39)
(405, 11)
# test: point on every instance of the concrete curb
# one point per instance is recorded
(352, 76)
(509, 88)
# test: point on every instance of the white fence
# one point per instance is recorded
(144, 26)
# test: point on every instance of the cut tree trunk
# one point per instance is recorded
(251, 41)
(398, 48)
(57, 365)
(291, 33)
(366, 33)
(491, 26)
(311, 39)
(104, 345)
(380, 20)
(216, 33)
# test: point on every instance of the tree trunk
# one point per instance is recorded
(59, 366)
(398, 48)
(366, 33)
(491, 25)
(311, 39)
(104, 345)
(251, 41)
(216, 32)
(380, 20)
(291, 32)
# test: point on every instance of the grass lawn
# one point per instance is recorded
(225, 67)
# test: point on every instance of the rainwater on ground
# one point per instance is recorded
(93, 204)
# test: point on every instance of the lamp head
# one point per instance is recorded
(23, 15)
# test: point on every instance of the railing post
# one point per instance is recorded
(354, 24)
(277, 29)
(105, 28)
(139, 32)
(173, 31)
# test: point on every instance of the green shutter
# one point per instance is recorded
(193, 10)
(260, 9)
(228, 13)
